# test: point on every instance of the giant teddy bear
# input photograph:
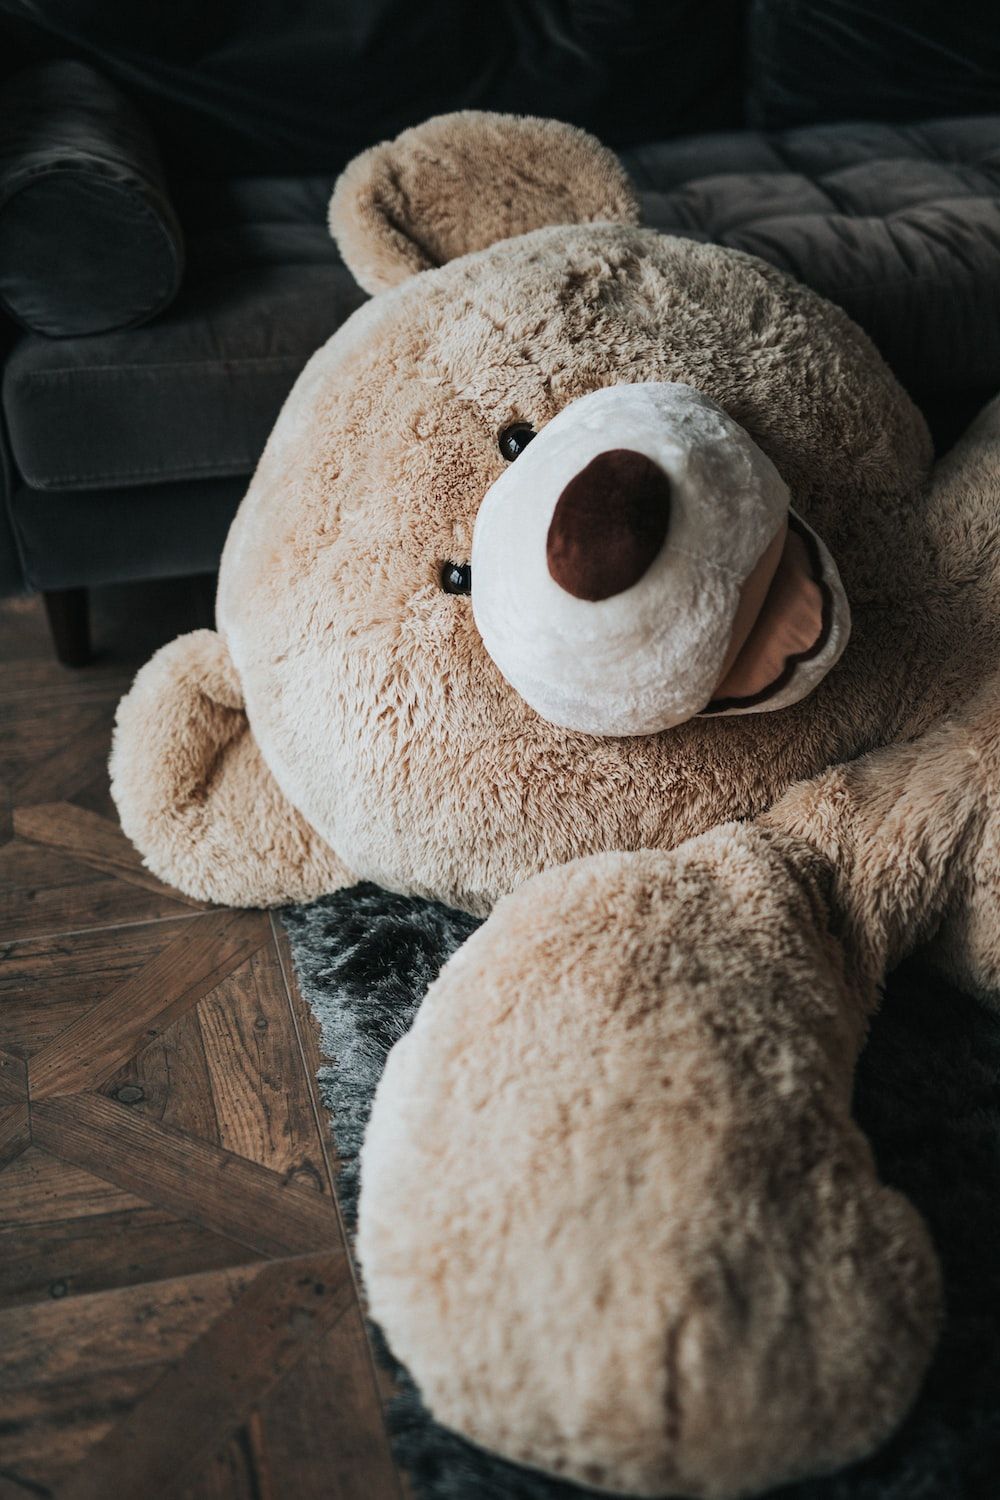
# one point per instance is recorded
(601, 581)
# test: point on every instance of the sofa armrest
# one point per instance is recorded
(89, 241)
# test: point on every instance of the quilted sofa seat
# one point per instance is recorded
(898, 224)
(192, 395)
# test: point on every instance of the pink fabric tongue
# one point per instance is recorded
(789, 624)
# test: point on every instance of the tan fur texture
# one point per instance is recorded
(368, 688)
(615, 1215)
(195, 795)
(910, 837)
(648, 1058)
(464, 181)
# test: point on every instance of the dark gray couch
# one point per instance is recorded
(125, 451)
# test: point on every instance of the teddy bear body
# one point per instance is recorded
(649, 1045)
(374, 476)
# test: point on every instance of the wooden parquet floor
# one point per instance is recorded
(178, 1313)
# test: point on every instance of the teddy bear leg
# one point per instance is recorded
(615, 1215)
(193, 792)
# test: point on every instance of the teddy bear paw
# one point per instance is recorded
(615, 1216)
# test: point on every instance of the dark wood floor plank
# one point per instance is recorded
(38, 727)
(169, 1080)
(48, 983)
(308, 1038)
(233, 1474)
(6, 812)
(307, 1028)
(172, 1433)
(40, 1189)
(43, 892)
(95, 796)
(46, 1430)
(76, 1337)
(70, 1257)
(308, 1032)
(260, 1088)
(94, 841)
(30, 686)
(15, 1485)
(13, 1079)
(331, 1390)
(126, 1247)
(56, 775)
(223, 1192)
(15, 1132)
(201, 954)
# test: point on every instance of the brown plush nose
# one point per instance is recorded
(609, 523)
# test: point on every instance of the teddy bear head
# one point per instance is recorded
(574, 537)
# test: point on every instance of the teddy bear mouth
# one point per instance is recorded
(785, 619)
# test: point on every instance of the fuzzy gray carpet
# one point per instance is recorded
(928, 1096)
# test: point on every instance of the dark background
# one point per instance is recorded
(300, 85)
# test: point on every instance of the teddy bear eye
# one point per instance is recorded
(514, 439)
(456, 578)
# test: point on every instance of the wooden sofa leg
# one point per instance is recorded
(69, 622)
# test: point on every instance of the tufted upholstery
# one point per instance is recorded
(193, 395)
(900, 225)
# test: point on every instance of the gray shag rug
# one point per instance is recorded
(927, 1095)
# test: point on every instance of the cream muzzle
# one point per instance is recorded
(639, 564)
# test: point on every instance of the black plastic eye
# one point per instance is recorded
(456, 578)
(514, 439)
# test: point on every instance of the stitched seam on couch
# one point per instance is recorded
(223, 367)
(833, 214)
(234, 469)
(957, 199)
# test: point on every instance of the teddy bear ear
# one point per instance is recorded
(463, 181)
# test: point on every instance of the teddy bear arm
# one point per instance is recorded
(195, 795)
(964, 501)
(910, 838)
(648, 1058)
(960, 539)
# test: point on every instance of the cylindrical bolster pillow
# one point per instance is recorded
(89, 241)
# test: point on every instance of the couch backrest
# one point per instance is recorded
(231, 87)
(272, 88)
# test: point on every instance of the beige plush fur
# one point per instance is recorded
(619, 1132)
(615, 1215)
(614, 1211)
(465, 181)
(368, 688)
(194, 793)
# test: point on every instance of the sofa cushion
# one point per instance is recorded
(899, 225)
(120, 536)
(193, 395)
(88, 238)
